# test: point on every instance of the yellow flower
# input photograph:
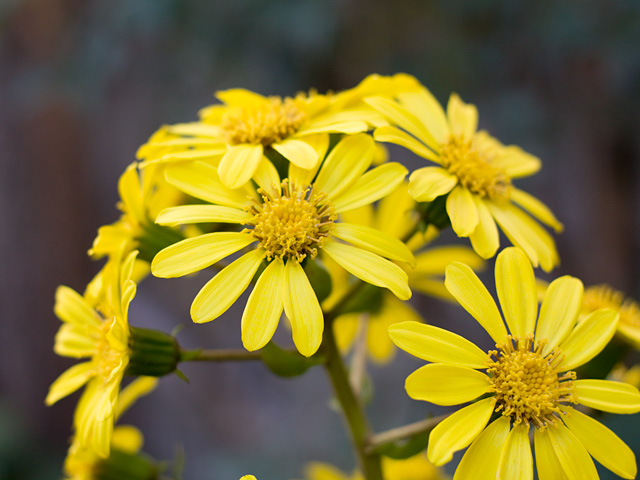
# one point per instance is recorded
(413, 468)
(528, 380)
(287, 222)
(248, 477)
(603, 296)
(395, 215)
(102, 336)
(474, 169)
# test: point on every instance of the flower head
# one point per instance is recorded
(286, 222)
(528, 379)
(474, 170)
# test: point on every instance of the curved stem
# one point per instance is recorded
(351, 407)
(400, 433)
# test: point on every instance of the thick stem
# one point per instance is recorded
(351, 407)
(218, 355)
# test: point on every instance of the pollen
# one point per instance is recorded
(529, 388)
(474, 169)
(266, 123)
(603, 296)
(294, 224)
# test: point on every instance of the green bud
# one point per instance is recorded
(434, 213)
(153, 353)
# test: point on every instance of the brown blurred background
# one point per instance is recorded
(84, 83)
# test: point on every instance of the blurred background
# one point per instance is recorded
(84, 82)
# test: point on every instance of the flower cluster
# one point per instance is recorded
(295, 199)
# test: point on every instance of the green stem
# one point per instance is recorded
(351, 407)
(218, 355)
(380, 440)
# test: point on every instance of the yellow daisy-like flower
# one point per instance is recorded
(102, 336)
(412, 468)
(603, 296)
(529, 380)
(287, 222)
(474, 169)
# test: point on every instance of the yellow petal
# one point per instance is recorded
(127, 439)
(371, 186)
(536, 208)
(462, 211)
(603, 445)
(193, 254)
(264, 307)
(516, 287)
(482, 460)
(427, 183)
(238, 165)
(348, 160)
(436, 345)
(435, 260)
(304, 176)
(267, 178)
(131, 193)
(588, 338)
(572, 455)
(209, 154)
(345, 328)
(396, 136)
(302, 309)
(458, 430)
(195, 129)
(201, 180)
(379, 345)
(547, 463)
(559, 311)
(474, 297)
(370, 268)
(485, 239)
(517, 461)
(201, 214)
(517, 163)
(445, 384)
(74, 341)
(608, 396)
(223, 290)
(429, 111)
(333, 123)
(463, 117)
(373, 240)
(70, 380)
(298, 152)
(71, 307)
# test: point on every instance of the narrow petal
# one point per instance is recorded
(213, 154)
(267, 178)
(482, 460)
(603, 445)
(264, 307)
(201, 180)
(435, 260)
(436, 345)
(396, 136)
(572, 455)
(302, 309)
(333, 123)
(238, 165)
(462, 211)
(517, 163)
(304, 176)
(201, 214)
(559, 311)
(516, 288)
(298, 152)
(463, 117)
(517, 461)
(240, 97)
(370, 268)
(74, 341)
(485, 239)
(547, 463)
(474, 297)
(193, 254)
(71, 307)
(427, 183)
(371, 186)
(536, 208)
(429, 111)
(348, 160)
(379, 345)
(458, 430)
(588, 338)
(70, 380)
(195, 129)
(608, 396)
(445, 384)
(131, 193)
(223, 290)
(374, 240)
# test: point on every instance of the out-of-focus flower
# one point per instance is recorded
(288, 222)
(528, 379)
(474, 169)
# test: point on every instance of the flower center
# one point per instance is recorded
(294, 224)
(474, 169)
(603, 296)
(108, 357)
(529, 388)
(269, 123)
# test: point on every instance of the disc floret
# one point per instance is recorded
(292, 224)
(528, 386)
(267, 123)
(474, 169)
